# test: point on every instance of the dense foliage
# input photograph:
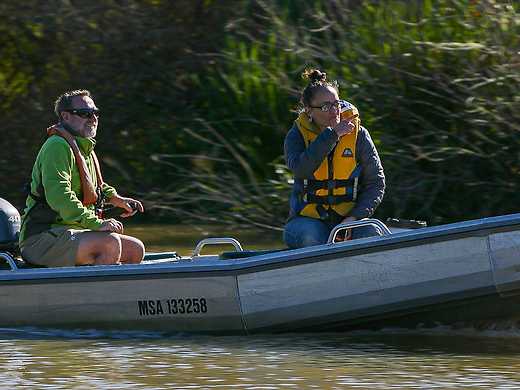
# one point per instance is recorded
(198, 95)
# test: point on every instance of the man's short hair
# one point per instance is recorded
(64, 102)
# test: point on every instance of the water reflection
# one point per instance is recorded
(437, 358)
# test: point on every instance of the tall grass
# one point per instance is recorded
(437, 84)
(197, 97)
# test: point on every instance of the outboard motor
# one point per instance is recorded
(10, 223)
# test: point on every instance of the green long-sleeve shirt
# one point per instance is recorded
(55, 177)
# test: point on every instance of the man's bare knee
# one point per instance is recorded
(109, 251)
(136, 255)
(99, 248)
(132, 251)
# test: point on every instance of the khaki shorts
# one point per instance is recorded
(56, 247)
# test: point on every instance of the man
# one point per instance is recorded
(62, 224)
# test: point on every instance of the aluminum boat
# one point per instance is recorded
(454, 273)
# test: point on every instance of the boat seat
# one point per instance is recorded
(242, 254)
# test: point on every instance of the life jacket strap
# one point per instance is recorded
(312, 186)
(330, 199)
(330, 215)
(315, 185)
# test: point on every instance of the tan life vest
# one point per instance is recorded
(91, 192)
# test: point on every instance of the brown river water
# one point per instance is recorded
(438, 358)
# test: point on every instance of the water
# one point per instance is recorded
(439, 358)
(183, 239)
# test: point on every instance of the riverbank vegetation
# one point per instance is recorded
(197, 96)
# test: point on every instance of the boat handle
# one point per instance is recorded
(217, 241)
(9, 259)
(383, 229)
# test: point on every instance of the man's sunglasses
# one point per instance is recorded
(85, 112)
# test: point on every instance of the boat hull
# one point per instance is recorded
(453, 274)
(201, 304)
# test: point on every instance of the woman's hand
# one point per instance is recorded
(348, 232)
(131, 206)
(344, 127)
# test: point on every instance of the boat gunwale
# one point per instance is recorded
(207, 266)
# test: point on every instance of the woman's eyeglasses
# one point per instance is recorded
(85, 113)
(326, 107)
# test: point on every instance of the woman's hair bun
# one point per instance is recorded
(317, 80)
(314, 75)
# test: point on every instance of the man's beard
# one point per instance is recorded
(89, 132)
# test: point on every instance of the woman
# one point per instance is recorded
(338, 176)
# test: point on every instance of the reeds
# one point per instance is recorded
(437, 84)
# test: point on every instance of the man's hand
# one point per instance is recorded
(131, 206)
(111, 225)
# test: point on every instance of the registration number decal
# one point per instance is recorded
(172, 306)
